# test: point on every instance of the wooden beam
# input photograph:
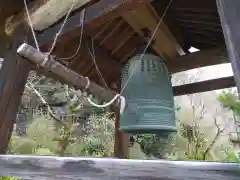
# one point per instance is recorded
(164, 42)
(204, 86)
(44, 13)
(198, 59)
(229, 13)
(95, 16)
(13, 76)
(203, 58)
(48, 63)
(53, 168)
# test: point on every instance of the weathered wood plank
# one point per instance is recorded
(13, 76)
(229, 15)
(80, 168)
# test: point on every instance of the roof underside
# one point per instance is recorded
(196, 21)
(193, 23)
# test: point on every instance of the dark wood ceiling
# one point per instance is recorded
(194, 24)
(196, 21)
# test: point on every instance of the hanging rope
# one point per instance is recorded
(118, 97)
(93, 56)
(31, 26)
(58, 33)
(81, 35)
(62, 26)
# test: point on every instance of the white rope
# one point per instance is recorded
(81, 35)
(116, 97)
(31, 26)
(62, 26)
(104, 105)
(57, 34)
(93, 56)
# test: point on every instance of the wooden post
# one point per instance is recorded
(13, 76)
(121, 139)
(229, 15)
(229, 12)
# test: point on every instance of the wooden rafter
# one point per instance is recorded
(95, 16)
(44, 13)
(145, 16)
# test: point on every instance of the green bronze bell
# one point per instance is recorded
(149, 96)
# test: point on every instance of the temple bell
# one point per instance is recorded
(149, 96)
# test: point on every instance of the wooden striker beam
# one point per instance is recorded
(69, 76)
(13, 76)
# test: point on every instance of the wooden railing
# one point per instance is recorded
(78, 168)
